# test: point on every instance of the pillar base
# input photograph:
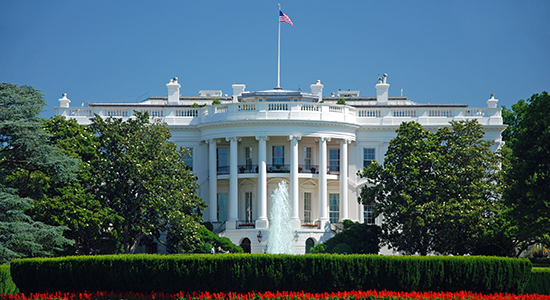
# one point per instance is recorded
(295, 224)
(230, 224)
(262, 224)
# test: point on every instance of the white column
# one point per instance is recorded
(262, 222)
(294, 186)
(212, 181)
(323, 197)
(344, 204)
(233, 185)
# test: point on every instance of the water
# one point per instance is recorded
(280, 232)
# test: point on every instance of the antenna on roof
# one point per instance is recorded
(401, 92)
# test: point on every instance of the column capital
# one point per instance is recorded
(297, 137)
(344, 141)
(211, 141)
(233, 138)
(262, 137)
(323, 139)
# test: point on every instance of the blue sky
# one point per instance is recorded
(441, 52)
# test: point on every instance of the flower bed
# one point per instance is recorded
(354, 295)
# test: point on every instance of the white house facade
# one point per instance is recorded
(243, 147)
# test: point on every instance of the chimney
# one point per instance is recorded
(173, 91)
(238, 89)
(491, 103)
(317, 90)
(64, 102)
(382, 90)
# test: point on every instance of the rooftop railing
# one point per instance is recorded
(383, 115)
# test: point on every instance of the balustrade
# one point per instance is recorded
(246, 111)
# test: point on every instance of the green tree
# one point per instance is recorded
(528, 176)
(26, 149)
(341, 101)
(23, 237)
(142, 177)
(361, 238)
(438, 192)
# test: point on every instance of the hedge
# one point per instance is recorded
(7, 286)
(263, 272)
(539, 283)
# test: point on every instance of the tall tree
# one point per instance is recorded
(25, 147)
(143, 178)
(528, 178)
(436, 191)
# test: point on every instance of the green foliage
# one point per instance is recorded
(26, 153)
(528, 175)
(195, 105)
(70, 204)
(539, 283)
(438, 192)
(341, 101)
(142, 177)
(221, 244)
(216, 101)
(21, 236)
(7, 286)
(359, 238)
(23, 142)
(266, 272)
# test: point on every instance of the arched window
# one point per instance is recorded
(309, 244)
(245, 244)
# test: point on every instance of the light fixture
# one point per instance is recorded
(259, 236)
(295, 235)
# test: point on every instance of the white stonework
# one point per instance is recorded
(245, 146)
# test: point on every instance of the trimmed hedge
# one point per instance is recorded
(6, 283)
(263, 272)
(539, 283)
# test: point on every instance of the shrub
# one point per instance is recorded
(539, 283)
(6, 283)
(264, 272)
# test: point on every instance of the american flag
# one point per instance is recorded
(284, 18)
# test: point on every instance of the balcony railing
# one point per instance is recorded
(241, 224)
(248, 169)
(371, 115)
(312, 169)
(278, 168)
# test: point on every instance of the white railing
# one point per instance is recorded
(368, 113)
(192, 112)
(278, 106)
(295, 111)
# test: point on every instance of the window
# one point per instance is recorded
(307, 158)
(222, 207)
(368, 214)
(188, 159)
(334, 207)
(248, 157)
(307, 208)
(334, 159)
(248, 207)
(278, 155)
(223, 166)
(368, 156)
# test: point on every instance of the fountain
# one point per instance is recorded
(280, 230)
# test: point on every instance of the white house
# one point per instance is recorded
(245, 146)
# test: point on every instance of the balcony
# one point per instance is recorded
(243, 169)
(278, 168)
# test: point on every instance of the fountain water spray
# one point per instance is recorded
(280, 230)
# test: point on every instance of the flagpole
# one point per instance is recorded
(279, 53)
